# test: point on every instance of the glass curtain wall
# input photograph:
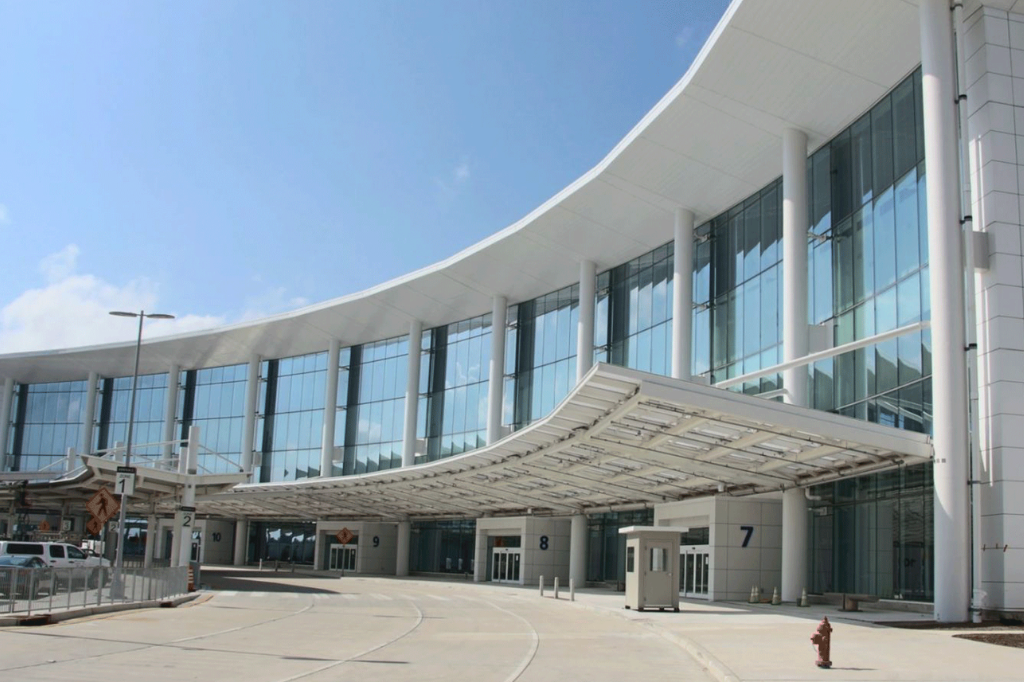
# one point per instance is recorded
(543, 335)
(289, 431)
(214, 400)
(606, 547)
(633, 317)
(48, 420)
(442, 546)
(455, 418)
(869, 263)
(875, 535)
(271, 541)
(738, 290)
(373, 382)
(150, 399)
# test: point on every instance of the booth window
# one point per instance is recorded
(630, 552)
(659, 556)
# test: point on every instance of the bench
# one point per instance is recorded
(848, 601)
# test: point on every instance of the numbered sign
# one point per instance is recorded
(186, 518)
(124, 484)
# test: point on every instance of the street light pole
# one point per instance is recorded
(117, 585)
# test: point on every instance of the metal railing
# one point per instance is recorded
(48, 590)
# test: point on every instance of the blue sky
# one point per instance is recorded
(223, 161)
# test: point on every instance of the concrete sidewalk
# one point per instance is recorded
(747, 642)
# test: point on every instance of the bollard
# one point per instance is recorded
(776, 599)
(803, 598)
(261, 564)
(572, 590)
(542, 586)
(822, 641)
(556, 587)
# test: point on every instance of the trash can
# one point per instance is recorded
(652, 567)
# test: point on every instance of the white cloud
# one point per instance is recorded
(452, 183)
(271, 302)
(71, 309)
(684, 37)
(5, 215)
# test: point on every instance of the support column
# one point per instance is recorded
(241, 541)
(152, 530)
(330, 410)
(480, 556)
(252, 393)
(794, 263)
(578, 550)
(89, 414)
(496, 372)
(188, 498)
(585, 327)
(6, 400)
(171, 414)
(946, 272)
(402, 549)
(682, 295)
(412, 394)
(794, 543)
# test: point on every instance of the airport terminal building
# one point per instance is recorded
(785, 312)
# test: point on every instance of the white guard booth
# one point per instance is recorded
(652, 567)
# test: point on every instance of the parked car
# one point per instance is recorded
(29, 574)
(60, 555)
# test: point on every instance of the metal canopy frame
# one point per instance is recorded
(621, 438)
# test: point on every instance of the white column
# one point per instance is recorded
(152, 530)
(241, 541)
(402, 549)
(794, 543)
(585, 327)
(480, 556)
(6, 400)
(496, 372)
(171, 413)
(578, 550)
(330, 410)
(794, 263)
(412, 393)
(252, 394)
(88, 415)
(682, 295)
(945, 256)
(188, 497)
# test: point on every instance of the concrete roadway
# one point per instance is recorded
(278, 627)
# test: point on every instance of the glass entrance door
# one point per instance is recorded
(695, 571)
(343, 558)
(505, 565)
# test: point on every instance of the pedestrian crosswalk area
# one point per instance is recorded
(350, 597)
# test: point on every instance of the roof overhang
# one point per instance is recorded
(621, 438)
(711, 141)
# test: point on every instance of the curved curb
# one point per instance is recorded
(44, 618)
(719, 670)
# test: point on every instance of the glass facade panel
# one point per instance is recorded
(606, 548)
(214, 400)
(442, 546)
(291, 423)
(454, 388)
(637, 328)
(374, 407)
(150, 398)
(874, 534)
(544, 330)
(47, 420)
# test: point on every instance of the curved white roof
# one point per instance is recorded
(711, 141)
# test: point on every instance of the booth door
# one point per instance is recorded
(658, 581)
